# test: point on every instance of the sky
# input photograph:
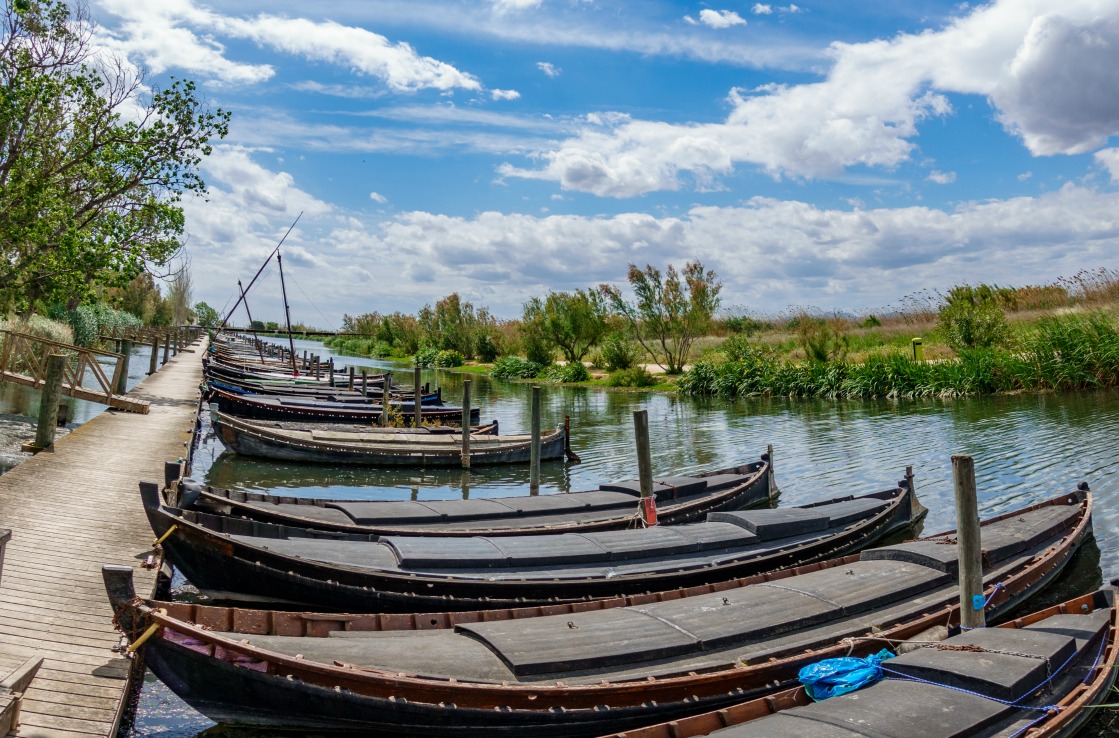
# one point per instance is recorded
(831, 155)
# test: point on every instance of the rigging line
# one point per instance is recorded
(258, 271)
(316, 307)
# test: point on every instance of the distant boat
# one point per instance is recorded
(679, 499)
(278, 407)
(579, 669)
(239, 560)
(377, 446)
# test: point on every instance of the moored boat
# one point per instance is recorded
(279, 407)
(679, 499)
(1039, 676)
(374, 446)
(246, 561)
(580, 669)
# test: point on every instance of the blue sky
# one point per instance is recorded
(830, 154)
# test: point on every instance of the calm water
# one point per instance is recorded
(1025, 448)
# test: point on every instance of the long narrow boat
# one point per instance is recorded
(587, 668)
(245, 561)
(1037, 676)
(273, 407)
(374, 447)
(614, 505)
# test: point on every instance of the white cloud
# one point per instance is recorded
(377, 197)
(507, 6)
(179, 34)
(790, 8)
(942, 177)
(1109, 159)
(720, 18)
(504, 94)
(1048, 72)
(549, 69)
(760, 9)
(1025, 176)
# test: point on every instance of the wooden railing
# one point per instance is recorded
(23, 359)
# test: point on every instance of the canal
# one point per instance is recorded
(1026, 448)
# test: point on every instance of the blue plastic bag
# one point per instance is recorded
(833, 677)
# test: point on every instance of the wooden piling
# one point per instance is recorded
(48, 402)
(385, 403)
(534, 449)
(351, 384)
(364, 382)
(155, 356)
(417, 396)
(122, 377)
(331, 371)
(644, 459)
(968, 543)
(466, 424)
(166, 348)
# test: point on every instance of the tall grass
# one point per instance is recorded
(1065, 352)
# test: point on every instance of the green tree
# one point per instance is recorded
(206, 316)
(574, 322)
(93, 163)
(669, 312)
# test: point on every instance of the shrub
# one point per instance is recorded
(823, 340)
(636, 376)
(425, 357)
(448, 358)
(973, 320)
(486, 349)
(617, 352)
(567, 373)
(514, 367)
(871, 321)
(380, 350)
(41, 327)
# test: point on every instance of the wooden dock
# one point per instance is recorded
(72, 509)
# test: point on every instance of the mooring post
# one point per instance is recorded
(351, 385)
(967, 536)
(166, 347)
(315, 358)
(305, 364)
(48, 402)
(122, 378)
(466, 424)
(331, 371)
(385, 403)
(417, 398)
(364, 382)
(534, 448)
(155, 356)
(647, 505)
(772, 481)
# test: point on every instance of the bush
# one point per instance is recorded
(971, 325)
(514, 367)
(871, 321)
(567, 373)
(486, 349)
(426, 357)
(448, 358)
(40, 327)
(617, 352)
(637, 376)
(380, 350)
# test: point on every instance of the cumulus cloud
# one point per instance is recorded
(549, 69)
(377, 197)
(1109, 160)
(720, 18)
(504, 94)
(760, 9)
(1047, 70)
(507, 6)
(180, 34)
(942, 177)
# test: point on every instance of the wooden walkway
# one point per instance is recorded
(72, 509)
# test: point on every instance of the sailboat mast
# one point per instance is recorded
(248, 312)
(287, 311)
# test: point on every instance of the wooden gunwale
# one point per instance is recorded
(736, 678)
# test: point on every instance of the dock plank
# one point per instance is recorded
(72, 509)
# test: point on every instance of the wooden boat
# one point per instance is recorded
(375, 447)
(319, 392)
(580, 669)
(1038, 675)
(680, 499)
(245, 561)
(274, 407)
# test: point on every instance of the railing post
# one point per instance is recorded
(155, 356)
(121, 386)
(166, 347)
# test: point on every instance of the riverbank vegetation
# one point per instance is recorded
(973, 340)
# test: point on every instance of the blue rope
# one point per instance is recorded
(998, 586)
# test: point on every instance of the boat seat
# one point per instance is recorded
(670, 540)
(934, 554)
(719, 482)
(387, 512)
(845, 512)
(768, 525)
